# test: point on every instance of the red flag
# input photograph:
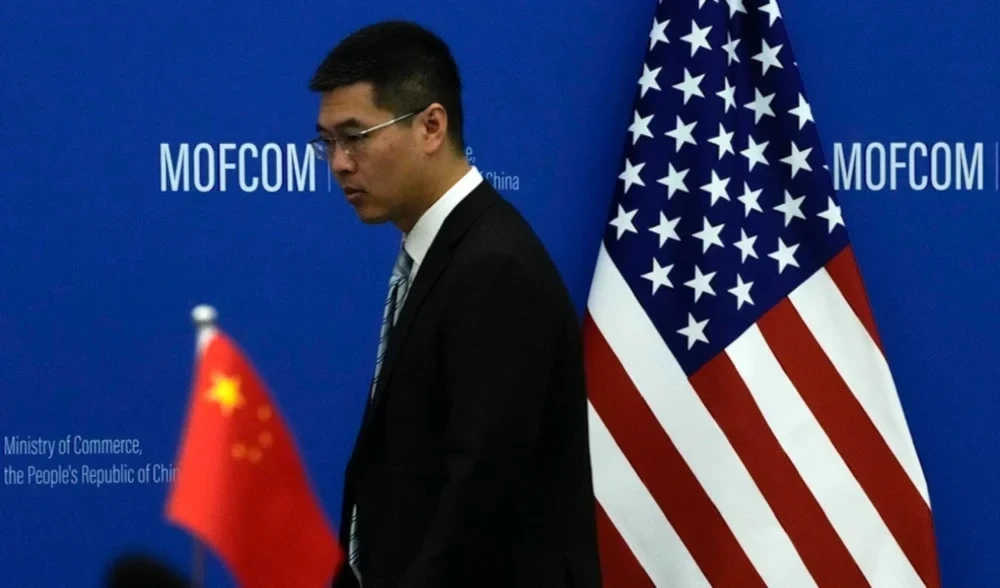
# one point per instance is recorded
(242, 488)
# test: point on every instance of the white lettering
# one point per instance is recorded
(175, 172)
(942, 166)
(224, 164)
(850, 172)
(880, 168)
(271, 167)
(204, 186)
(922, 184)
(937, 164)
(502, 181)
(164, 473)
(895, 163)
(243, 168)
(970, 171)
(300, 172)
(266, 169)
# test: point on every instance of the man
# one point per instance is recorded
(471, 468)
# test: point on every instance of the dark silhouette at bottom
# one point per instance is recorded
(145, 571)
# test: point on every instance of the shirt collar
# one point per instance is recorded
(420, 237)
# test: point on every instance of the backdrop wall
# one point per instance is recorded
(107, 239)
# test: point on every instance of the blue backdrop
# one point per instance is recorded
(109, 236)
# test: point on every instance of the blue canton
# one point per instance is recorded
(724, 204)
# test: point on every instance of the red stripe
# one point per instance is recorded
(854, 435)
(843, 269)
(729, 401)
(619, 568)
(661, 468)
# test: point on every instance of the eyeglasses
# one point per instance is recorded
(324, 146)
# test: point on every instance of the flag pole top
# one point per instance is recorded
(204, 315)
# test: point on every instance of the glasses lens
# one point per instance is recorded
(319, 148)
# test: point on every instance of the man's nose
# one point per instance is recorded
(340, 162)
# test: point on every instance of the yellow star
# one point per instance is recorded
(226, 391)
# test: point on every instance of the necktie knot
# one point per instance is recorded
(404, 264)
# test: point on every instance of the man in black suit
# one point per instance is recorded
(471, 468)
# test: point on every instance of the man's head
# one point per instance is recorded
(135, 570)
(402, 80)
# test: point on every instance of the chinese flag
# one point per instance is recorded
(241, 488)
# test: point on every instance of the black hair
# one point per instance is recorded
(408, 66)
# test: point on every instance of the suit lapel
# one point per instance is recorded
(434, 263)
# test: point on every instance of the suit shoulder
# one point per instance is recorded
(502, 242)
(501, 231)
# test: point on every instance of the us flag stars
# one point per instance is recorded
(721, 167)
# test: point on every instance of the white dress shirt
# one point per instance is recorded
(420, 237)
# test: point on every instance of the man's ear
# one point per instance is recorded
(434, 128)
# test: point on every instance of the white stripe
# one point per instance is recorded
(822, 469)
(636, 515)
(668, 393)
(860, 363)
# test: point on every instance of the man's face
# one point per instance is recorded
(375, 174)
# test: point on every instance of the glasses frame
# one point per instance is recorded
(321, 144)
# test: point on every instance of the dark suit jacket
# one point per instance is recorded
(472, 468)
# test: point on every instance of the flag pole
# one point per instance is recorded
(198, 565)
(204, 317)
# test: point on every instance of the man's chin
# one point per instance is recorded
(370, 217)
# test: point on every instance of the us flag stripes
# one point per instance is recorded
(745, 426)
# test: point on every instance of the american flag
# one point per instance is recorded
(745, 426)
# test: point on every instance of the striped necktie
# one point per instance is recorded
(399, 283)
